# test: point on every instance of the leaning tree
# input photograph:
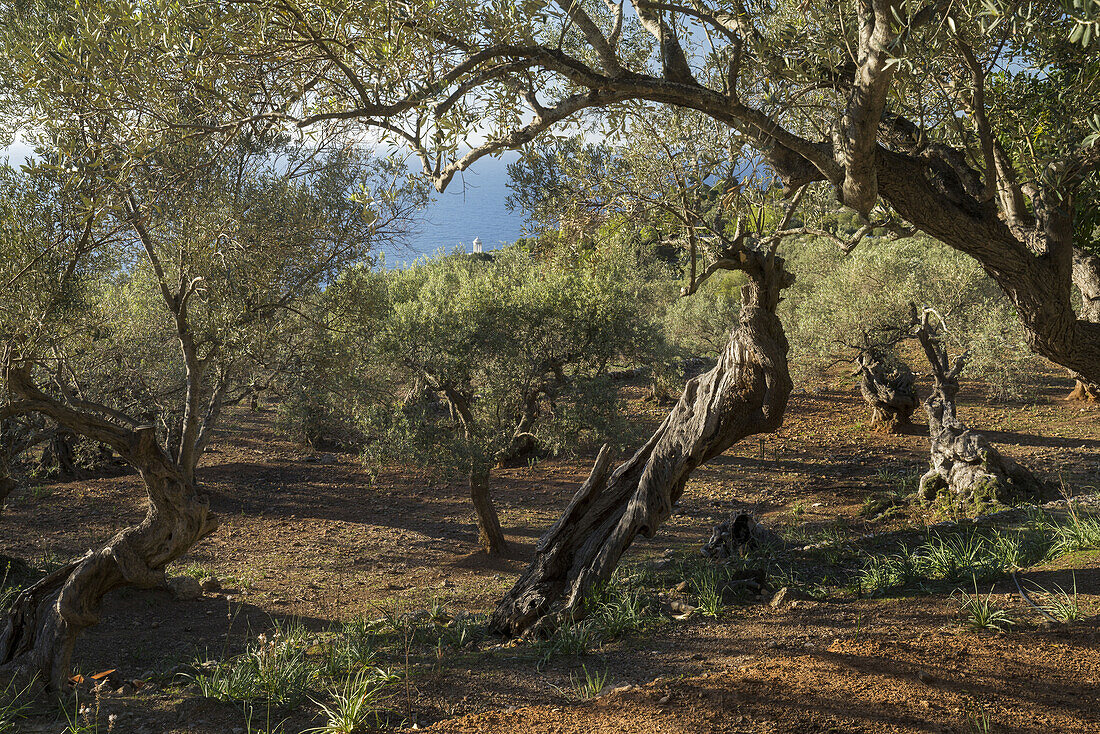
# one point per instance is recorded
(141, 302)
(893, 104)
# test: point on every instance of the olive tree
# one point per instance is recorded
(139, 306)
(464, 364)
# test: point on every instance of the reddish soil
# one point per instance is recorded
(313, 537)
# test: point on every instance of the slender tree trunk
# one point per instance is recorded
(489, 534)
(1086, 276)
(744, 394)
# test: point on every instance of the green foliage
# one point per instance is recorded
(275, 669)
(983, 555)
(568, 640)
(839, 299)
(701, 324)
(981, 613)
(14, 702)
(618, 609)
(463, 363)
(588, 684)
(353, 706)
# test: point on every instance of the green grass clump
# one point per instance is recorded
(275, 669)
(588, 684)
(356, 704)
(981, 613)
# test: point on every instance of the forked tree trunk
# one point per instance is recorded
(966, 471)
(38, 636)
(890, 393)
(489, 534)
(744, 394)
(1086, 276)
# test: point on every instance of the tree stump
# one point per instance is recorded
(967, 471)
(889, 389)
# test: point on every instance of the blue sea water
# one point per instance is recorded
(472, 206)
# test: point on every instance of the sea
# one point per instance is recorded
(472, 207)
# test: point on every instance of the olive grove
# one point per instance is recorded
(907, 112)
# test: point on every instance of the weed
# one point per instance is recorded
(354, 703)
(567, 640)
(196, 571)
(1079, 533)
(83, 719)
(588, 684)
(9, 591)
(979, 721)
(617, 609)
(249, 713)
(981, 613)
(352, 648)
(1061, 605)
(13, 704)
(274, 669)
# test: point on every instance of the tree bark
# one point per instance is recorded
(489, 534)
(744, 394)
(38, 638)
(891, 394)
(1086, 276)
(966, 469)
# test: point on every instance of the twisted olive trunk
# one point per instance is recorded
(1086, 276)
(891, 394)
(38, 638)
(966, 469)
(744, 394)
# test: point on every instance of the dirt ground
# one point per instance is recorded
(314, 537)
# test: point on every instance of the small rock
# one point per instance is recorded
(210, 585)
(681, 607)
(664, 699)
(621, 689)
(809, 647)
(771, 644)
(924, 677)
(184, 588)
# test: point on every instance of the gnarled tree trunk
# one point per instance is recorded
(38, 637)
(1086, 276)
(39, 634)
(890, 393)
(744, 394)
(966, 469)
